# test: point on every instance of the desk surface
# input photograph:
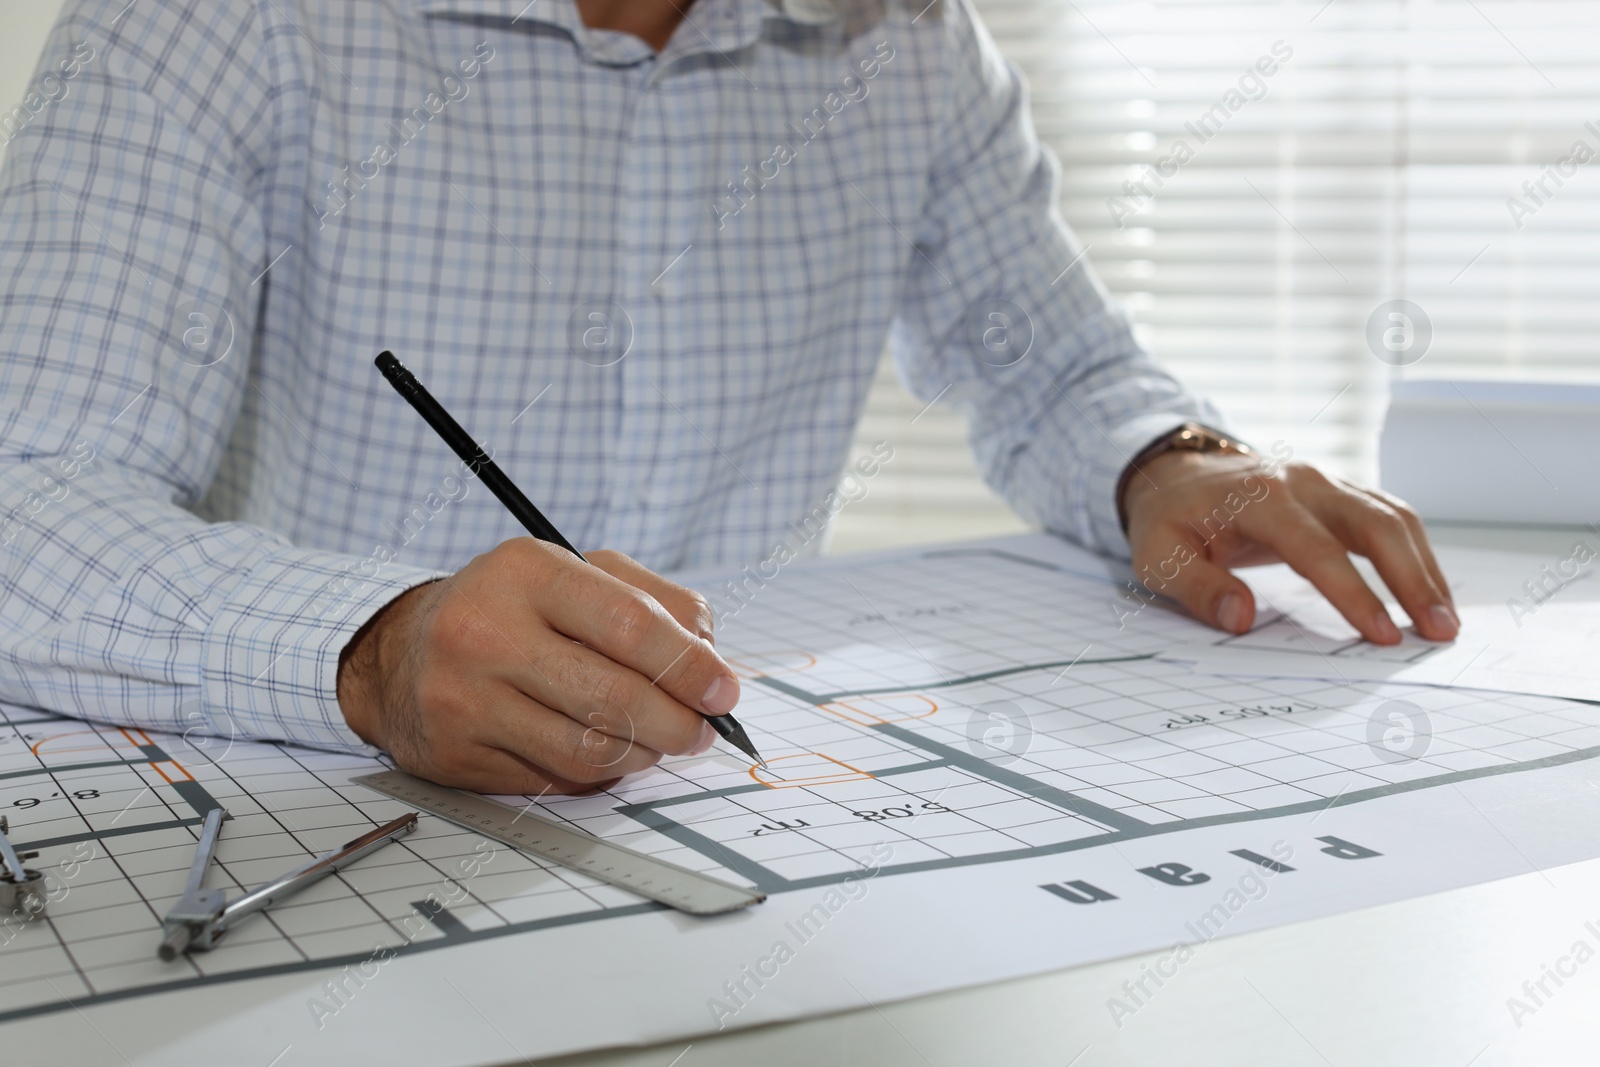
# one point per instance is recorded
(1423, 981)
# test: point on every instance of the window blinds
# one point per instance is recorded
(1260, 182)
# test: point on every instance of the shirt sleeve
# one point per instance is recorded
(1003, 318)
(132, 261)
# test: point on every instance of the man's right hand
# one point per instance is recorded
(530, 671)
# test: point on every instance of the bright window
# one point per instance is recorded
(1447, 154)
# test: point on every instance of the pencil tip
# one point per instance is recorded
(736, 737)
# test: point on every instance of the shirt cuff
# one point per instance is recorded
(271, 660)
(1117, 449)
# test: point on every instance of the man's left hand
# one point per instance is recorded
(1194, 515)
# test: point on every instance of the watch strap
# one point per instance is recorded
(1190, 437)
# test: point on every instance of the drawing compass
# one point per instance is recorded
(21, 890)
(201, 916)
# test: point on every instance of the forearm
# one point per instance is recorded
(119, 606)
(1003, 317)
(1096, 410)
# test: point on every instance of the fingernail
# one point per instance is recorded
(1444, 620)
(708, 737)
(1388, 632)
(721, 695)
(1232, 613)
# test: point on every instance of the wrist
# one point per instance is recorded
(1175, 449)
(1145, 481)
(369, 661)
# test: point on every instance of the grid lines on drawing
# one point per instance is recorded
(959, 710)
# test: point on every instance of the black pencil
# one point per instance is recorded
(532, 519)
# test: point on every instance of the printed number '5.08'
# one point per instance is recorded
(902, 812)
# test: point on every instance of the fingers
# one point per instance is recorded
(1285, 528)
(629, 626)
(1419, 538)
(1208, 591)
(688, 607)
(556, 745)
(513, 744)
(487, 735)
(494, 770)
(1303, 517)
(1314, 553)
(604, 696)
(1372, 527)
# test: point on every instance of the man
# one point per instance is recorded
(650, 253)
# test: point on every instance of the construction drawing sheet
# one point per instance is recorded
(1529, 624)
(979, 769)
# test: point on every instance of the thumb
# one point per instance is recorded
(1210, 593)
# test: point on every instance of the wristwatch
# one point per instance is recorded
(1190, 437)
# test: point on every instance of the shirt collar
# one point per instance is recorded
(805, 11)
(712, 26)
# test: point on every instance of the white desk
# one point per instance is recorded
(1423, 981)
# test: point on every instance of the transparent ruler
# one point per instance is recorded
(677, 887)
